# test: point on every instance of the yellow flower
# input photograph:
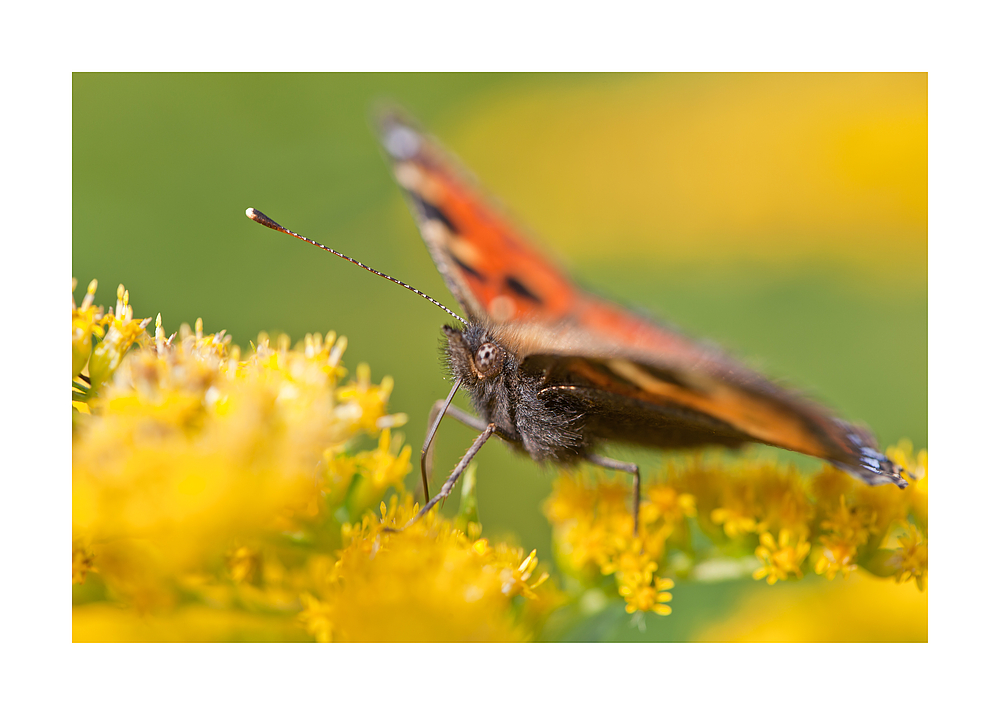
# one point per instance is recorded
(851, 524)
(612, 496)
(340, 470)
(634, 570)
(702, 475)
(849, 530)
(829, 486)
(517, 579)
(584, 546)
(88, 321)
(364, 404)
(847, 521)
(380, 469)
(757, 496)
(910, 559)
(735, 520)
(918, 499)
(123, 331)
(429, 582)
(83, 562)
(571, 500)
(631, 560)
(887, 505)
(244, 563)
(780, 559)
(318, 618)
(208, 483)
(594, 527)
(198, 481)
(916, 466)
(836, 554)
(664, 512)
(591, 521)
(902, 454)
(781, 492)
(668, 503)
(646, 595)
(190, 447)
(858, 514)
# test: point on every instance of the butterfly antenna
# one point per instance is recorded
(263, 220)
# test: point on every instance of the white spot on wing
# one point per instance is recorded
(466, 251)
(501, 308)
(409, 176)
(402, 142)
(436, 232)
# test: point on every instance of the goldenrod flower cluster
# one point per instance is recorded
(429, 582)
(221, 496)
(751, 511)
(593, 530)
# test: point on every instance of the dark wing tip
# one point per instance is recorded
(867, 463)
(874, 468)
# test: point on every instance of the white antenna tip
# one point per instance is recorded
(250, 212)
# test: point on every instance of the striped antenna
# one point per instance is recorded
(263, 220)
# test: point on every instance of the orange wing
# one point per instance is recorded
(502, 281)
(493, 272)
(488, 267)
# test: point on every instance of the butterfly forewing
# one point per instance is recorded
(488, 267)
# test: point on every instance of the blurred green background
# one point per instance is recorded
(782, 216)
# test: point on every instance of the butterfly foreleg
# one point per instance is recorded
(459, 468)
(631, 468)
(427, 454)
(438, 411)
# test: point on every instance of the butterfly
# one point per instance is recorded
(557, 372)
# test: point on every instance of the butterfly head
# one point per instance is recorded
(473, 355)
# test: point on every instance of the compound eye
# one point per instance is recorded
(489, 359)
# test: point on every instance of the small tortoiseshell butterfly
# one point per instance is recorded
(555, 371)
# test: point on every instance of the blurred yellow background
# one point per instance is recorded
(727, 167)
(782, 216)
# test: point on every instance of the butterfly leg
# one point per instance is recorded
(632, 469)
(438, 411)
(427, 453)
(459, 468)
